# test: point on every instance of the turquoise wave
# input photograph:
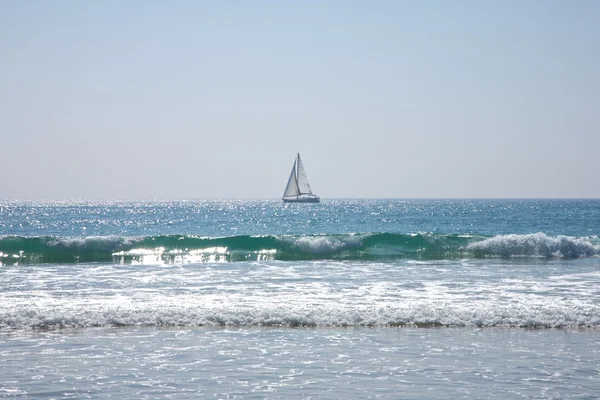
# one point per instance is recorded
(367, 246)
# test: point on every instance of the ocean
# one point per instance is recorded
(253, 299)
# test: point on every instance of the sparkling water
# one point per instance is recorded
(257, 299)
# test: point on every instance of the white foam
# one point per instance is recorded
(107, 242)
(324, 244)
(535, 244)
(324, 293)
(194, 313)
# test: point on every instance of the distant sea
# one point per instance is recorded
(358, 299)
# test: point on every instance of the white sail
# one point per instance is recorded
(301, 178)
(292, 186)
(297, 189)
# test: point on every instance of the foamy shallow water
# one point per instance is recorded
(284, 363)
(488, 328)
(517, 293)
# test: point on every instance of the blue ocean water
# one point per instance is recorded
(258, 299)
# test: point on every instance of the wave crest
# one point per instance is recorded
(535, 244)
(480, 314)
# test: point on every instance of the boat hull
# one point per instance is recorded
(314, 199)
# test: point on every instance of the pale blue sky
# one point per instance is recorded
(193, 99)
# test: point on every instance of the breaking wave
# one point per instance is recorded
(369, 246)
(536, 244)
(476, 314)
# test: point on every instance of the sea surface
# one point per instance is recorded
(253, 299)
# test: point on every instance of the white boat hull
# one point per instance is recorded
(302, 199)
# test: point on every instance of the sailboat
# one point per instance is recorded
(298, 189)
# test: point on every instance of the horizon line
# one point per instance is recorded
(167, 199)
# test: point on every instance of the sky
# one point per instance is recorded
(383, 99)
